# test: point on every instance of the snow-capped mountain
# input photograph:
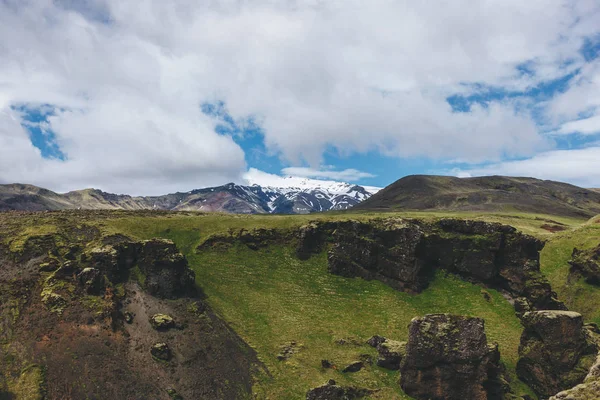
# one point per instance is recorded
(301, 196)
(292, 195)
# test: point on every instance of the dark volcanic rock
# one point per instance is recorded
(391, 353)
(354, 367)
(447, 357)
(161, 351)
(588, 390)
(375, 340)
(556, 351)
(587, 264)
(162, 322)
(166, 269)
(331, 391)
(391, 254)
(405, 254)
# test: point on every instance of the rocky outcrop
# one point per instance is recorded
(448, 357)
(254, 239)
(404, 254)
(586, 263)
(391, 254)
(588, 390)
(331, 391)
(165, 269)
(556, 352)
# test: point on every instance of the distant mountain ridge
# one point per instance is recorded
(487, 193)
(305, 197)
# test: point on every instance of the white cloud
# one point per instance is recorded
(585, 126)
(350, 75)
(348, 175)
(580, 167)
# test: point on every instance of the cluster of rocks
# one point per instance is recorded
(165, 269)
(448, 357)
(405, 254)
(332, 391)
(390, 352)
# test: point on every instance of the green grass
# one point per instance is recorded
(271, 298)
(577, 295)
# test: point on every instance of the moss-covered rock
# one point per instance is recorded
(556, 352)
(162, 322)
(165, 269)
(331, 391)
(161, 351)
(587, 264)
(391, 353)
(404, 254)
(448, 357)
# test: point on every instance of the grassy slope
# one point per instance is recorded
(270, 298)
(578, 295)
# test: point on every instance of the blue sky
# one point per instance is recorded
(154, 97)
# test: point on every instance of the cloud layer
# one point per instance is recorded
(126, 81)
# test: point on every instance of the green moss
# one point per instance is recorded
(30, 385)
(137, 275)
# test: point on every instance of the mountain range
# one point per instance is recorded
(301, 196)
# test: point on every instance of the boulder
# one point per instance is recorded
(162, 322)
(354, 366)
(448, 357)
(586, 263)
(166, 270)
(331, 391)
(375, 340)
(161, 351)
(391, 353)
(555, 352)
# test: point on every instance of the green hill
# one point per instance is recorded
(485, 194)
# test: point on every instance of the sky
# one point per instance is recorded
(148, 97)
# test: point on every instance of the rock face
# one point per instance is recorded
(392, 255)
(448, 357)
(404, 254)
(587, 264)
(166, 269)
(331, 391)
(556, 351)
(588, 390)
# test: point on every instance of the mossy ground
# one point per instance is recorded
(270, 298)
